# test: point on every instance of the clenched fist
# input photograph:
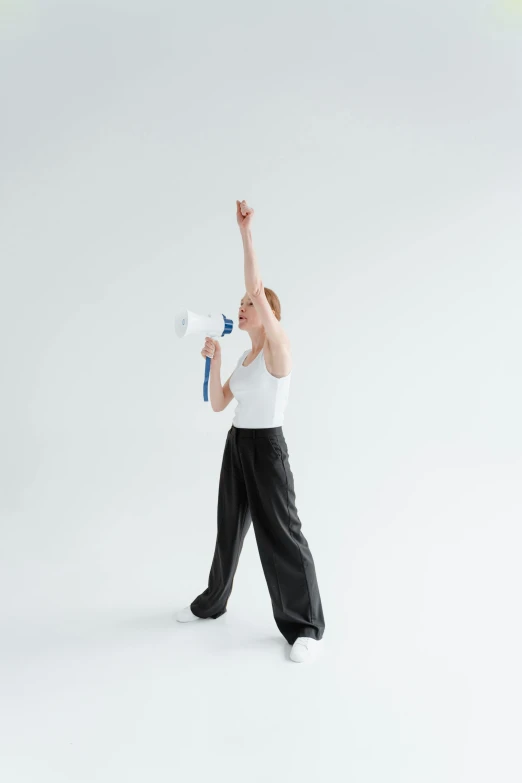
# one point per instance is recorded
(244, 215)
(211, 348)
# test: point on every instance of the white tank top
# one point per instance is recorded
(261, 397)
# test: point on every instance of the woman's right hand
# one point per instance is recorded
(211, 348)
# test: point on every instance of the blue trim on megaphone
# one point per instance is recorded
(228, 324)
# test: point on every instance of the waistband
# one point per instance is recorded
(259, 432)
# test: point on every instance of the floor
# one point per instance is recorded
(128, 695)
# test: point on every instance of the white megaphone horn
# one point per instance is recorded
(187, 322)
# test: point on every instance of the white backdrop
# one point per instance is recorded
(379, 144)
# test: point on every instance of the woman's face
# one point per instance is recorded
(248, 317)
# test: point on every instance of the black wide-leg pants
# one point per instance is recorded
(256, 485)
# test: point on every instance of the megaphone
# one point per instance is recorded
(187, 322)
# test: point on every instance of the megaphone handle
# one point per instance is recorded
(207, 375)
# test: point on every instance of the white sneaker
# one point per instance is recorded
(186, 615)
(305, 649)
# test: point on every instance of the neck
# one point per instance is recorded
(258, 340)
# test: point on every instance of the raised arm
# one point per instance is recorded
(275, 333)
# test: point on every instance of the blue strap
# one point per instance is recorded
(227, 328)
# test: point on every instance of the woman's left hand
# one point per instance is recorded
(244, 215)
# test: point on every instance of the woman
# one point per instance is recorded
(256, 482)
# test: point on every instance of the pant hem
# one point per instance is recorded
(207, 616)
(308, 632)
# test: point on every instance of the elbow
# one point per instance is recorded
(256, 289)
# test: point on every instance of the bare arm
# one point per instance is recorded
(227, 394)
(244, 215)
(215, 390)
(276, 335)
(220, 396)
(252, 276)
